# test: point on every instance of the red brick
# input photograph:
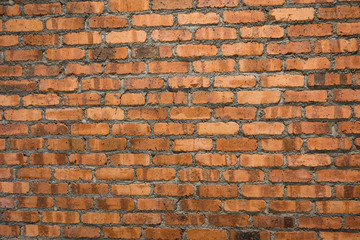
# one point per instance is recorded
(142, 218)
(49, 188)
(298, 234)
(242, 49)
(339, 235)
(307, 64)
(311, 1)
(214, 66)
(23, 55)
(79, 69)
(48, 159)
(323, 143)
(261, 160)
(129, 5)
(171, 4)
(163, 233)
(251, 16)
(130, 159)
(10, 10)
(108, 21)
(270, 221)
(122, 232)
(260, 65)
(292, 14)
(157, 144)
(131, 129)
(335, 175)
(339, 12)
(35, 202)
(199, 174)
(49, 129)
(317, 30)
(174, 189)
(210, 234)
(155, 174)
(88, 159)
(218, 128)
(308, 128)
(147, 114)
(6, 202)
(218, 191)
(173, 159)
(291, 206)
(217, 3)
(17, 86)
(144, 83)
(13, 129)
(265, 31)
(308, 160)
(309, 191)
(66, 144)
(73, 174)
(235, 113)
(196, 50)
(328, 112)
(100, 84)
(43, 70)
(236, 144)
(168, 67)
(100, 218)
(290, 176)
(24, 25)
(14, 187)
(171, 35)
(64, 114)
(348, 160)
(43, 9)
(198, 144)
(90, 129)
(336, 45)
(131, 189)
(320, 222)
(352, 222)
(261, 191)
(41, 231)
(6, 173)
(264, 2)
(125, 68)
(85, 7)
(81, 232)
(285, 144)
(41, 99)
(65, 23)
(89, 188)
(65, 54)
(156, 204)
(116, 203)
(167, 98)
(342, 207)
(105, 113)
(200, 205)
(10, 71)
(126, 36)
(215, 33)
(58, 85)
(229, 220)
(244, 175)
(289, 48)
(241, 81)
(347, 62)
(27, 144)
(74, 203)
(152, 20)
(184, 219)
(174, 129)
(348, 28)
(21, 216)
(260, 128)
(198, 18)
(282, 112)
(114, 173)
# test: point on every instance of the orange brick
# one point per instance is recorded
(347, 62)
(131, 189)
(251, 16)
(282, 112)
(229, 220)
(106, 113)
(81, 232)
(100, 218)
(9, 40)
(158, 144)
(218, 128)
(292, 14)
(9, 100)
(116, 203)
(142, 218)
(35, 202)
(23, 55)
(174, 189)
(244, 175)
(16, 86)
(200, 204)
(131, 129)
(34, 173)
(215, 33)
(65, 114)
(289, 48)
(263, 128)
(308, 160)
(260, 65)
(339, 235)
(10, 71)
(264, 2)
(24, 25)
(109, 144)
(174, 129)
(291, 206)
(192, 144)
(290, 176)
(73, 174)
(156, 204)
(122, 232)
(129, 5)
(336, 45)
(89, 188)
(212, 97)
(152, 20)
(155, 174)
(130, 159)
(66, 144)
(235, 113)
(348, 28)
(163, 233)
(328, 112)
(147, 114)
(351, 160)
(306, 96)
(171, 4)
(42, 231)
(214, 66)
(125, 68)
(205, 233)
(242, 49)
(241, 81)
(27, 144)
(21, 216)
(173, 159)
(196, 50)
(43, 70)
(81, 38)
(265, 31)
(167, 98)
(14, 187)
(198, 18)
(65, 54)
(144, 83)
(126, 36)
(49, 188)
(343, 207)
(100, 84)
(58, 85)
(171, 35)
(339, 12)
(258, 97)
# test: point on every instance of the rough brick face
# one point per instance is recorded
(180, 119)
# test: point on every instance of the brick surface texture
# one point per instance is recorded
(180, 119)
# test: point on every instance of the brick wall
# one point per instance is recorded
(180, 119)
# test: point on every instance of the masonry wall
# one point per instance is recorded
(180, 119)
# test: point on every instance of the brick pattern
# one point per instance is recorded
(180, 119)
